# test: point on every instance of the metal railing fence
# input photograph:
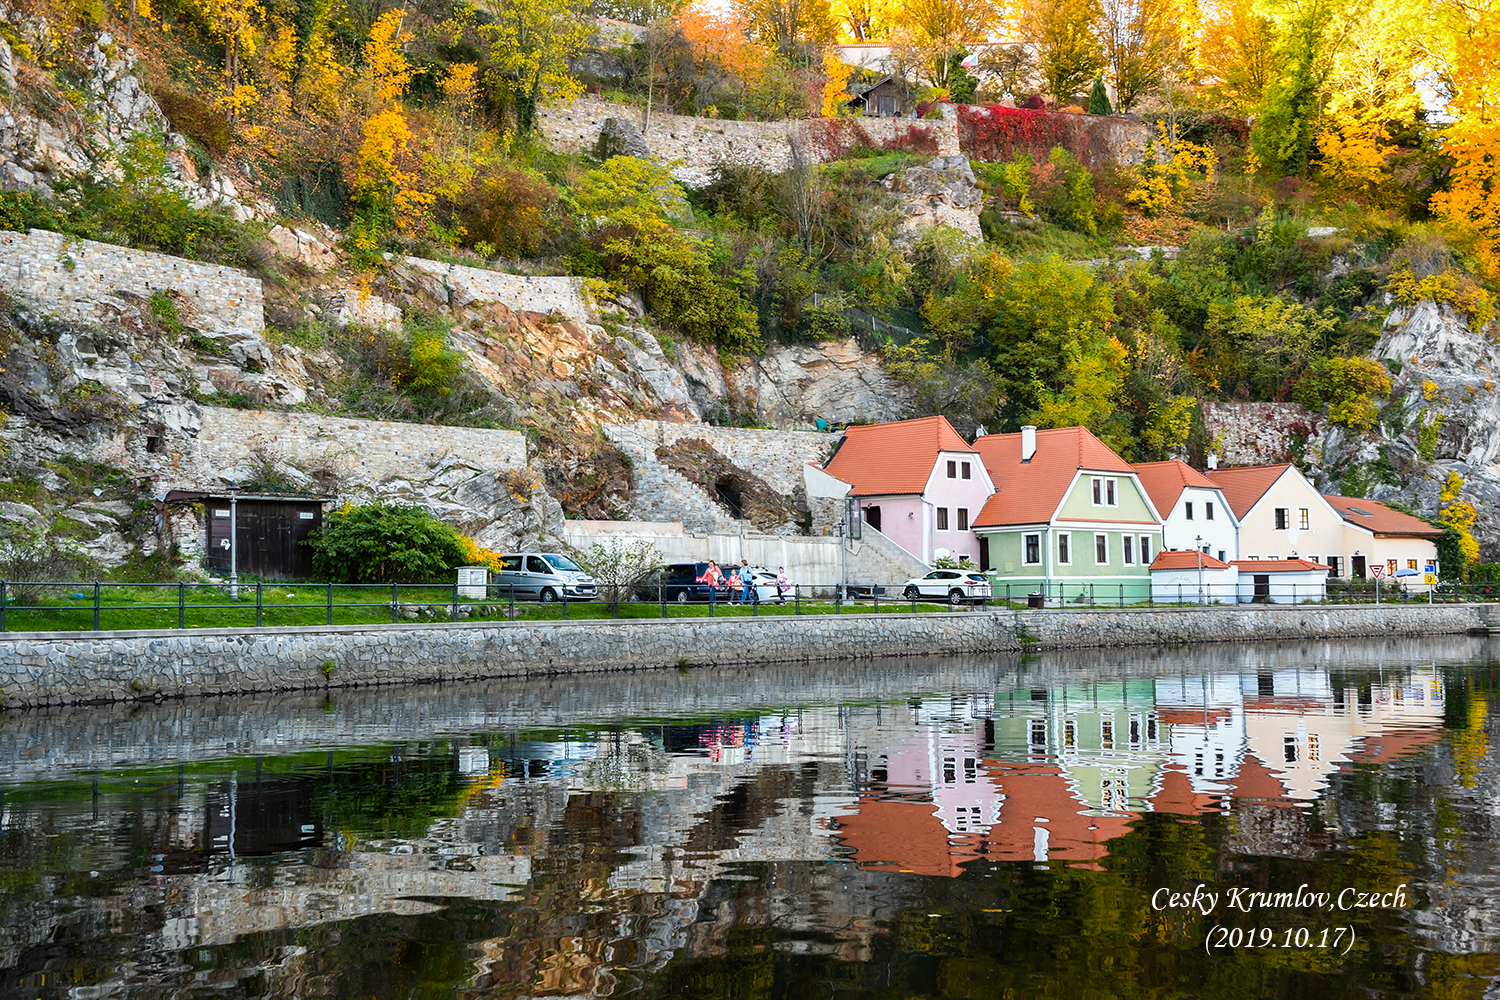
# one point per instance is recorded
(108, 606)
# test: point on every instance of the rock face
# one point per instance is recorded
(620, 137)
(940, 193)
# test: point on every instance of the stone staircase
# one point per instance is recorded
(663, 494)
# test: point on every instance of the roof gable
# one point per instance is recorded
(1165, 481)
(894, 458)
(1031, 492)
(1243, 487)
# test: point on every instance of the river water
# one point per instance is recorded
(1007, 828)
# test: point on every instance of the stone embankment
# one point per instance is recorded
(72, 668)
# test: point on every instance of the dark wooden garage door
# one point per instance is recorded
(270, 533)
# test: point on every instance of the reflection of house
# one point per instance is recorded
(1068, 512)
(917, 482)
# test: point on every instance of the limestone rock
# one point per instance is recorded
(303, 247)
(7, 66)
(358, 307)
(941, 192)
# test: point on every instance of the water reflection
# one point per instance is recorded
(954, 829)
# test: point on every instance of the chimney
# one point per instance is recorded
(1028, 442)
(1213, 461)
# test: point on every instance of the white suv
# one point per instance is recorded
(955, 586)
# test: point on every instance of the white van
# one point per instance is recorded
(545, 577)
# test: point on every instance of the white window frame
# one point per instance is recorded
(1127, 550)
(942, 518)
(952, 468)
(1304, 520)
(1025, 544)
(1145, 541)
(1065, 548)
(1112, 492)
(1281, 518)
(963, 518)
(1187, 510)
(1098, 537)
(1105, 491)
(966, 470)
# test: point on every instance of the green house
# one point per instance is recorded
(1069, 518)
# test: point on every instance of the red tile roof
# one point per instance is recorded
(1243, 487)
(1030, 492)
(895, 458)
(1165, 482)
(1279, 565)
(1176, 559)
(1379, 518)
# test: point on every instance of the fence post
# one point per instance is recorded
(565, 603)
(797, 596)
(3, 601)
(395, 604)
(711, 589)
(1179, 595)
(453, 613)
(181, 604)
(512, 615)
(1091, 595)
(661, 595)
(1122, 595)
(96, 605)
(875, 593)
(330, 602)
(259, 594)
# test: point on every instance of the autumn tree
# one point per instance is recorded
(791, 28)
(938, 28)
(1238, 55)
(1473, 140)
(1069, 52)
(864, 20)
(1142, 41)
(530, 43)
(1312, 32)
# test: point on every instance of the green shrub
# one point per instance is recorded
(509, 209)
(385, 543)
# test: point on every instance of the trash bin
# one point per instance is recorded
(1035, 601)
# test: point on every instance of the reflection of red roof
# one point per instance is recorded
(1177, 559)
(1380, 519)
(900, 836)
(1256, 781)
(1176, 795)
(1279, 566)
(1190, 716)
(1040, 789)
(1393, 744)
(1030, 492)
(1243, 487)
(894, 458)
(1165, 482)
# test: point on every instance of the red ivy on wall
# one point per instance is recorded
(996, 134)
(837, 138)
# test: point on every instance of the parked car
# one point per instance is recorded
(765, 586)
(956, 586)
(545, 577)
(679, 583)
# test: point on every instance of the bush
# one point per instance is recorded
(1349, 387)
(33, 554)
(509, 209)
(385, 543)
(195, 118)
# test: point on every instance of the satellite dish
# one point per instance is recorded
(980, 432)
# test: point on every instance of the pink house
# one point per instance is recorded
(918, 483)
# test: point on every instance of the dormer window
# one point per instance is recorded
(1104, 493)
(967, 470)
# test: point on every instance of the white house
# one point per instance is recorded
(1282, 516)
(1195, 513)
(1193, 577)
(1281, 581)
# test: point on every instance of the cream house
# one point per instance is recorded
(1405, 546)
(1283, 516)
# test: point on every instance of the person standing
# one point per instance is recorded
(781, 585)
(747, 583)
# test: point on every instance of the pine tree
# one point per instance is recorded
(1099, 99)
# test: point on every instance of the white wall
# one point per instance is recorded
(1324, 535)
(1220, 535)
(1220, 586)
(1286, 588)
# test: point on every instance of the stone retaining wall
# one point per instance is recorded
(775, 456)
(1258, 433)
(365, 451)
(520, 293)
(71, 279)
(63, 668)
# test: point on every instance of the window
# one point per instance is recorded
(1281, 518)
(1101, 549)
(1188, 510)
(967, 470)
(1063, 555)
(1109, 486)
(1411, 564)
(1104, 493)
(952, 470)
(1333, 566)
(1098, 492)
(1390, 567)
(942, 516)
(1221, 556)
(1208, 510)
(1289, 749)
(153, 443)
(1302, 518)
(535, 564)
(510, 564)
(963, 519)
(1129, 551)
(1145, 550)
(1033, 546)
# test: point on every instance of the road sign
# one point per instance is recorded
(1377, 570)
(1429, 579)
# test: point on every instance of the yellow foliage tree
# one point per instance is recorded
(939, 28)
(1461, 516)
(836, 75)
(387, 72)
(1237, 55)
(530, 44)
(388, 178)
(1473, 140)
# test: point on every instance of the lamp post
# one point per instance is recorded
(1198, 548)
(234, 541)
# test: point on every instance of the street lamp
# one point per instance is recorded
(1198, 547)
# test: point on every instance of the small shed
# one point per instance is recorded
(269, 530)
(885, 98)
(1175, 578)
(1282, 581)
